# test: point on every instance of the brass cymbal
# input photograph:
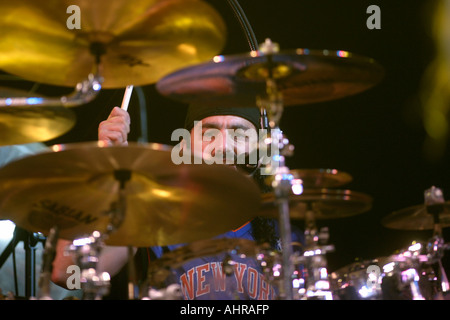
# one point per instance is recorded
(75, 186)
(27, 124)
(416, 218)
(303, 76)
(325, 203)
(321, 178)
(140, 41)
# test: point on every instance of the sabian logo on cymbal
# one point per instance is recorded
(47, 213)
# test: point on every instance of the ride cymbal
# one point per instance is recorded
(303, 76)
(76, 188)
(138, 41)
(417, 218)
(324, 203)
(321, 178)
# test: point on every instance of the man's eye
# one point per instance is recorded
(208, 133)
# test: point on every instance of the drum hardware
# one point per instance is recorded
(311, 279)
(85, 92)
(415, 273)
(283, 181)
(272, 103)
(47, 264)
(30, 241)
(432, 215)
(315, 277)
(86, 251)
(435, 205)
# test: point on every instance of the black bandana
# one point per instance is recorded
(199, 112)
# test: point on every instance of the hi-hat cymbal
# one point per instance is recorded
(303, 76)
(75, 186)
(140, 41)
(27, 124)
(324, 203)
(417, 218)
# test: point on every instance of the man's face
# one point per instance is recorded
(222, 136)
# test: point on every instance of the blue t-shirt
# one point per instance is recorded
(229, 275)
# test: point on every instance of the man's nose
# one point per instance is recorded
(224, 147)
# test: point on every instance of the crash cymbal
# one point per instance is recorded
(75, 186)
(27, 124)
(303, 76)
(325, 203)
(416, 218)
(139, 41)
(321, 178)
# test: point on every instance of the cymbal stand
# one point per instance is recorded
(87, 250)
(313, 259)
(30, 241)
(47, 261)
(434, 202)
(281, 184)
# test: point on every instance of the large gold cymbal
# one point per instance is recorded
(142, 40)
(74, 188)
(303, 76)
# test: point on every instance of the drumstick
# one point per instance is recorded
(126, 97)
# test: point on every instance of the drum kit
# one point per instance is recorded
(135, 196)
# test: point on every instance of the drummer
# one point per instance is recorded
(203, 277)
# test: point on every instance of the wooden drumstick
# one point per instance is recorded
(126, 97)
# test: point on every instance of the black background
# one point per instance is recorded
(376, 136)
